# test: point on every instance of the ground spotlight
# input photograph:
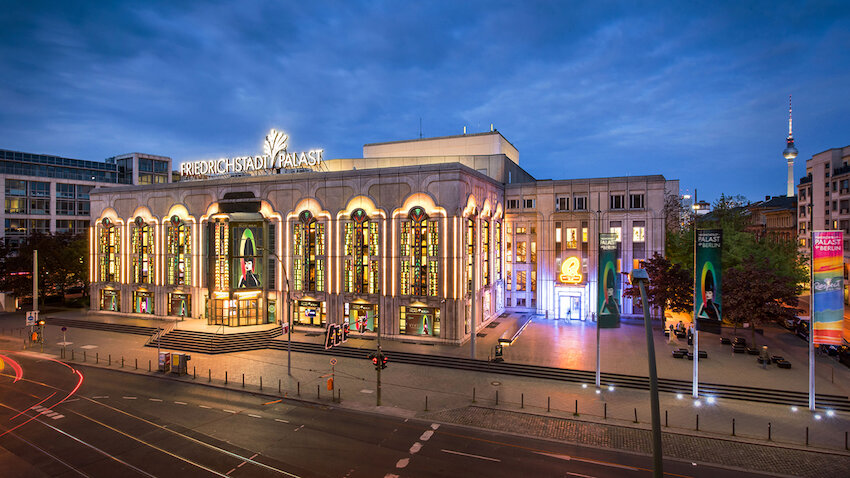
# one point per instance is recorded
(830, 413)
(610, 388)
(584, 385)
(710, 400)
(697, 403)
(679, 396)
(793, 409)
(818, 416)
(598, 391)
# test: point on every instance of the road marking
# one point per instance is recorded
(302, 426)
(604, 463)
(155, 399)
(470, 455)
(415, 448)
(58, 416)
(129, 398)
(390, 475)
(89, 347)
(231, 471)
(427, 435)
(402, 463)
(228, 411)
(101, 396)
(435, 426)
(254, 416)
(180, 403)
(64, 343)
(279, 420)
(366, 390)
(579, 475)
(204, 406)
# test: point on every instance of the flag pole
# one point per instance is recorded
(598, 256)
(695, 391)
(812, 324)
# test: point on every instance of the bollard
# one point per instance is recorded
(733, 427)
(261, 382)
(339, 396)
(110, 360)
(225, 377)
(548, 404)
(575, 414)
(137, 364)
(84, 355)
(299, 389)
(845, 440)
(521, 400)
(72, 354)
(122, 362)
(605, 411)
(473, 394)
(149, 365)
(636, 420)
(768, 431)
(665, 419)
(243, 380)
(194, 372)
(807, 436)
(426, 403)
(497, 397)
(697, 421)
(278, 385)
(97, 357)
(318, 397)
(209, 375)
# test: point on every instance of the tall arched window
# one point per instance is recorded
(109, 251)
(485, 252)
(179, 249)
(420, 240)
(361, 254)
(497, 229)
(309, 240)
(142, 250)
(470, 254)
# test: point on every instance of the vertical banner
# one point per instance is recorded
(608, 294)
(707, 279)
(827, 287)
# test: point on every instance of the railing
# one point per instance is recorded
(162, 331)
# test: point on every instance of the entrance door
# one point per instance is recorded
(569, 307)
(575, 308)
(563, 306)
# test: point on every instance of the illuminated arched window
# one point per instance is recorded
(179, 250)
(497, 230)
(109, 251)
(470, 254)
(309, 253)
(361, 254)
(420, 240)
(485, 252)
(142, 252)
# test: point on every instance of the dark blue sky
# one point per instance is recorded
(694, 91)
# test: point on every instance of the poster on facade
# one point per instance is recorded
(249, 263)
(828, 287)
(707, 279)
(608, 295)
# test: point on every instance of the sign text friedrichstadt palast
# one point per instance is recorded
(275, 157)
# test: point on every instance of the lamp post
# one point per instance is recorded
(642, 278)
(288, 318)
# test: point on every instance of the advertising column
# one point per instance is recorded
(608, 292)
(708, 248)
(827, 314)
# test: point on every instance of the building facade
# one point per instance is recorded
(405, 239)
(48, 194)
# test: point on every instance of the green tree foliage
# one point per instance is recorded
(62, 261)
(670, 286)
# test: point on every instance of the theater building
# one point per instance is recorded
(406, 238)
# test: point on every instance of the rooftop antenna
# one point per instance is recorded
(420, 127)
(464, 129)
(491, 127)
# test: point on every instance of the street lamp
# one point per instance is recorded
(640, 277)
(288, 318)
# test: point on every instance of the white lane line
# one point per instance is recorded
(366, 390)
(402, 463)
(204, 406)
(390, 475)
(50, 414)
(427, 435)
(155, 399)
(435, 426)
(302, 426)
(129, 398)
(101, 396)
(579, 475)
(470, 455)
(57, 417)
(231, 471)
(605, 463)
(281, 421)
(415, 448)
(254, 416)
(180, 403)
(228, 411)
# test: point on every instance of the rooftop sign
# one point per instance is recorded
(275, 157)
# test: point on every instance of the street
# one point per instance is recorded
(71, 420)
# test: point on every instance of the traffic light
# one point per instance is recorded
(383, 361)
(345, 331)
(375, 361)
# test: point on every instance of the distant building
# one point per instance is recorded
(774, 218)
(50, 194)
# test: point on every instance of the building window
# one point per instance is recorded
(40, 226)
(143, 302)
(420, 240)
(533, 252)
(520, 251)
(498, 232)
(520, 280)
(16, 205)
(533, 276)
(513, 203)
(64, 226)
(39, 189)
(361, 254)
(617, 201)
(509, 277)
(65, 208)
(83, 208)
(142, 252)
(65, 191)
(16, 226)
(179, 252)
(579, 203)
(528, 203)
(636, 201)
(618, 230)
(485, 252)
(572, 238)
(109, 251)
(221, 255)
(15, 187)
(179, 305)
(110, 300)
(419, 321)
(562, 203)
(638, 240)
(309, 240)
(470, 254)
(39, 206)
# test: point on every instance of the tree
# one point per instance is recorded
(670, 286)
(62, 264)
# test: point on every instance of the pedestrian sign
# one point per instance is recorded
(333, 361)
(32, 317)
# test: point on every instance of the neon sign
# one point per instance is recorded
(570, 271)
(275, 156)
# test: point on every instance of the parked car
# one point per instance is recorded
(803, 330)
(791, 323)
(844, 355)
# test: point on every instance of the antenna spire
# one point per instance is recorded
(790, 131)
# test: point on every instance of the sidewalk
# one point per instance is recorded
(405, 388)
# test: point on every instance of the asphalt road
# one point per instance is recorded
(66, 420)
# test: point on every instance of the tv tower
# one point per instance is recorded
(790, 153)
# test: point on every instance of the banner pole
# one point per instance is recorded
(695, 390)
(598, 367)
(812, 324)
